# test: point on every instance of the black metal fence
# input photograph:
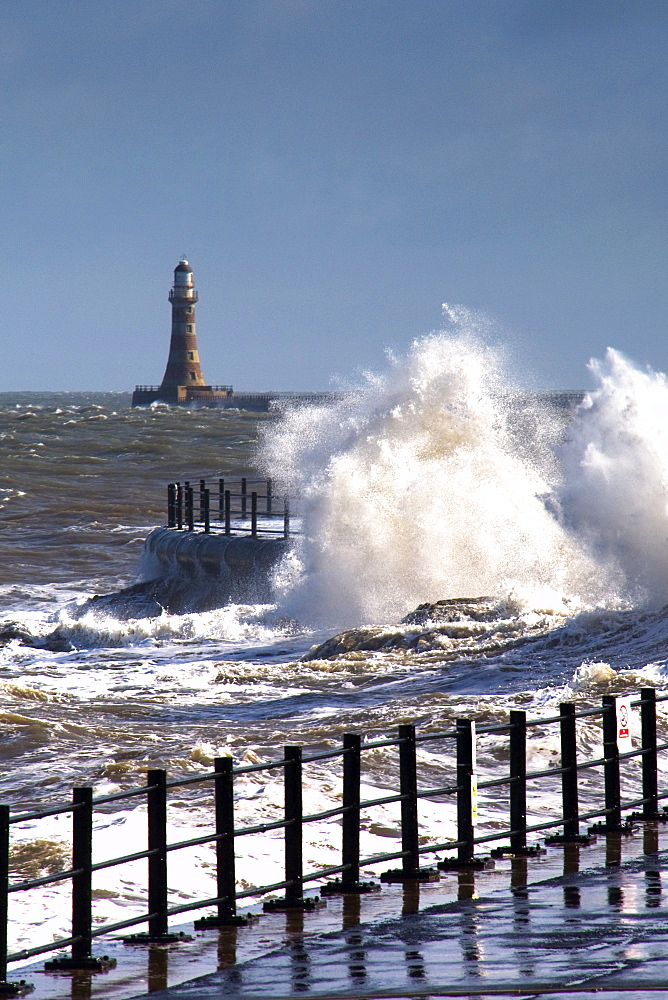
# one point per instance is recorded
(246, 505)
(614, 814)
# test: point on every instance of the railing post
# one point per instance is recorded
(613, 808)
(157, 841)
(350, 822)
(269, 496)
(226, 883)
(6, 989)
(190, 504)
(225, 853)
(410, 835)
(253, 515)
(228, 505)
(82, 860)
(465, 775)
(221, 499)
(569, 775)
(409, 810)
(156, 804)
(286, 518)
(518, 781)
(570, 807)
(4, 890)
(650, 787)
(202, 490)
(352, 762)
(467, 803)
(243, 497)
(293, 817)
(293, 814)
(82, 890)
(206, 512)
(171, 505)
(179, 506)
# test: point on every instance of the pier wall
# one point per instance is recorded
(194, 571)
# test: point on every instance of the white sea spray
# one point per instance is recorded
(615, 492)
(418, 486)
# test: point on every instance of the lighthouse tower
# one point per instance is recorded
(183, 369)
(183, 382)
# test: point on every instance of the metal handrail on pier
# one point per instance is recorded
(461, 786)
(246, 506)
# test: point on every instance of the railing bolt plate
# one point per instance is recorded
(470, 864)
(242, 920)
(339, 888)
(91, 964)
(410, 875)
(169, 938)
(303, 903)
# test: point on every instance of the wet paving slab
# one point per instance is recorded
(577, 920)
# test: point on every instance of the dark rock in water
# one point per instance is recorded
(346, 642)
(150, 599)
(424, 629)
(55, 641)
(457, 609)
(139, 601)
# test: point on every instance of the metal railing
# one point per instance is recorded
(225, 835)
(246, 505)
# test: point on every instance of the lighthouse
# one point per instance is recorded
(183, 383)
(183, 369)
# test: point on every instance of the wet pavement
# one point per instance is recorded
(576, 919)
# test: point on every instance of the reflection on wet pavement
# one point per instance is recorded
(575, 916)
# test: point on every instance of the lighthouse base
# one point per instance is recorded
(216, 396)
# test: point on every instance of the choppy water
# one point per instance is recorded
(434, 479)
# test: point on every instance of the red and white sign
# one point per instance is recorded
(623, 715)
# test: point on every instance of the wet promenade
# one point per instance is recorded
(573, 922)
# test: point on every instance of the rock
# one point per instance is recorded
(347, 642)
(143, 600)
(55, 641)
(452, 619)
(457, 609)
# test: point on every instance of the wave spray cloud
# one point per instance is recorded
(439, 479)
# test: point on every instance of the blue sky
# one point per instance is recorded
(334, 170)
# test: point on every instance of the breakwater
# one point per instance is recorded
(222, 540)
(194, 571)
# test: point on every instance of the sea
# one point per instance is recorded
(437, 477)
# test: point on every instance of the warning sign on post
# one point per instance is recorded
(623, 714)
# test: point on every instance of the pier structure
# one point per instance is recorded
(183, 383)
